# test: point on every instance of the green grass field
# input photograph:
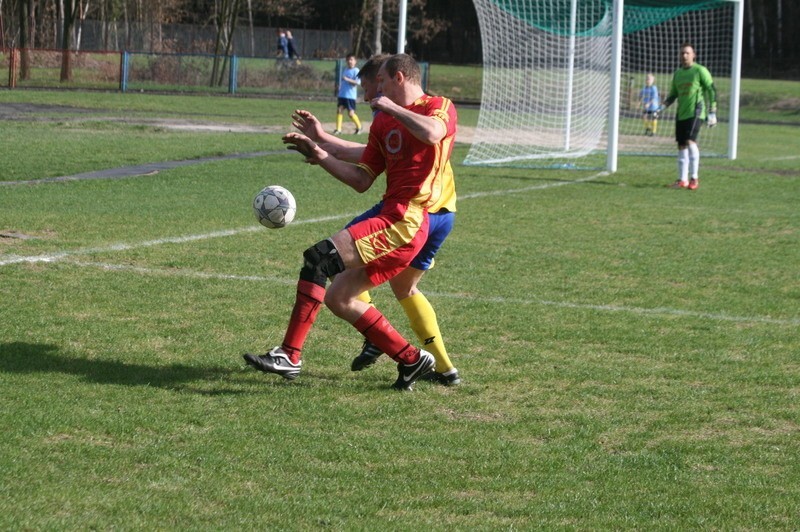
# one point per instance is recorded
(630, 353)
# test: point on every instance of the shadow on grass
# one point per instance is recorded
(20, 357)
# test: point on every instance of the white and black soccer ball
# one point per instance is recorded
(274, 207)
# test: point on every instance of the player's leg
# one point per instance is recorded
(694, 154)
(694, 165)
(416, 306)
(354, 116)
(424, 323)
(342, 299)
(404, 230)
(339, 117)
(682, 134)
(320, 261)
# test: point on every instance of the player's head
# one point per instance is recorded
(406, 65)
(369, 75)
(351, 61)
(649, 80)
(687, 55)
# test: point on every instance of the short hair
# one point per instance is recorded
(370, 69)
(688, 45)
(348, 56)
(404, 63)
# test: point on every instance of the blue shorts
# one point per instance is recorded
(440, 225)
(347, 103)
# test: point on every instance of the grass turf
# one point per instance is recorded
(629, 352)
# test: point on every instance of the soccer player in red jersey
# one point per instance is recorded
(441, 219)
(411, 140)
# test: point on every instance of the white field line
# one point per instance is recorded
(53, 257)
(784, 158)
(656, 312)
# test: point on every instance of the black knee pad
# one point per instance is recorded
(321, 261)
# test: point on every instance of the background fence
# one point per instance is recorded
(174, 72)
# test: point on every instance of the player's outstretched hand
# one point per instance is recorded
(712, 119)
(303, 145)
(307, 124)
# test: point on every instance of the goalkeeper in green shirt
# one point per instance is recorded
(693, 87)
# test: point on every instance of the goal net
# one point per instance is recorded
(548, 67)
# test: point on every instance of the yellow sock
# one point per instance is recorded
(365, 297)
(339, 122)
(356, 121)
(423, 322)
(655, 126)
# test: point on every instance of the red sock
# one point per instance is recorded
(380, 332)
(306, 307)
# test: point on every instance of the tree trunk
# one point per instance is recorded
(378, 27)
(68, 16)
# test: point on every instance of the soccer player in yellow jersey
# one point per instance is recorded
(404, 286)
(694, 89)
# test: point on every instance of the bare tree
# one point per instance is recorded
(68, 10)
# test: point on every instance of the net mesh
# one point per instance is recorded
(547, 78)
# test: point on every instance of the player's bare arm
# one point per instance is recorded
(346, 151)
(425, 128)
(349, 174)
(310, 126)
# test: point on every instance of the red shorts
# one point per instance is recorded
(389, 242)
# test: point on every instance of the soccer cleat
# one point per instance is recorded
(337, 132)
(679, 184)
(693, 184)
(276, 361)
(368, 356)
(407, 374)
(358, 130)
(450, 378)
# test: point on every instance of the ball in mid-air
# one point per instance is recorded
(274, 207)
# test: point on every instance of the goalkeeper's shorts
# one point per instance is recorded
(686, 130)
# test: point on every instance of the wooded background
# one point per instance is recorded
(444, 31)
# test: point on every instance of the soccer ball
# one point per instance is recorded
(274, 207)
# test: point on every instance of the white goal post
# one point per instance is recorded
(562, 78)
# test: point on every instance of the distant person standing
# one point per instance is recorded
(346, 97)
(650, 102)
(282, 45)
(694, 89)
(290, 49)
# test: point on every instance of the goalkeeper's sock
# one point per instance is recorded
(683, 165)
(306, 307)
(694, 160)
(377, 329)
(424, 324)
(356, 121)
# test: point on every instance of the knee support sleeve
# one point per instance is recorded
(320, 262)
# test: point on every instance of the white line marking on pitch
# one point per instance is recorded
(660, 311)
(53, 257)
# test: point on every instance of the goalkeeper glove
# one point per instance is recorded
(712, 119)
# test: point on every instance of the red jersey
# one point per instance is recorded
(413, 169)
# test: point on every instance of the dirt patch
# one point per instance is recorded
(23, 111)
(786, 104)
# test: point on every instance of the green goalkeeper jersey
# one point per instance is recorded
(694, 89)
